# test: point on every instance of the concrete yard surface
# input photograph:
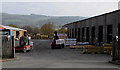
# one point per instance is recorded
(42, 56)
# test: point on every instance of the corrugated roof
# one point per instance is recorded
(91, 18)
(12, 28)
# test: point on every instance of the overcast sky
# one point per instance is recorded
(82, 8)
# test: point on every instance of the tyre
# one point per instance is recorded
(60, 47)
(31, 47)
(24, 50)
(63, 45)
(52, 47)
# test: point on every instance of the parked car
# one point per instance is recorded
(59, 43)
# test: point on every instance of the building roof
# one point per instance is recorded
(11, 28)
(66, 25)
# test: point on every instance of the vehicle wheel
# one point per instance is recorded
(52, 47)
(62, 45)
(31, 47)
(24, 50)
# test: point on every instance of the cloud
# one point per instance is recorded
(59, 8)
(59, 0)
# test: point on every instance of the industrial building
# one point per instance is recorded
(96, 30)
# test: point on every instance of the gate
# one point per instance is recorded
(8, 50)
(116, 49)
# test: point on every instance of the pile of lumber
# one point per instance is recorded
(92, 49)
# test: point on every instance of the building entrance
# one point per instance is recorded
(100, 34)
(109, 33)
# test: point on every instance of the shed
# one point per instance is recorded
(12, 31)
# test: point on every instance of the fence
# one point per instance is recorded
(116, 49)
(8, 50)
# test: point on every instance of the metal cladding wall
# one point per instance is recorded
(98, 29)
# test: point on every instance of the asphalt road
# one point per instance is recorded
(42, 56)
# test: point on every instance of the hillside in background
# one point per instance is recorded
(37, 20)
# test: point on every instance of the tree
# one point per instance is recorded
(62, 30)
(47, 29)
(28, 28)
(13, 25)
(35, 31)
(32, 31)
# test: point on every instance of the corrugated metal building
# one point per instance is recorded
(98, 29)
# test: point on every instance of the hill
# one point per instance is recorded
(35, 20)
